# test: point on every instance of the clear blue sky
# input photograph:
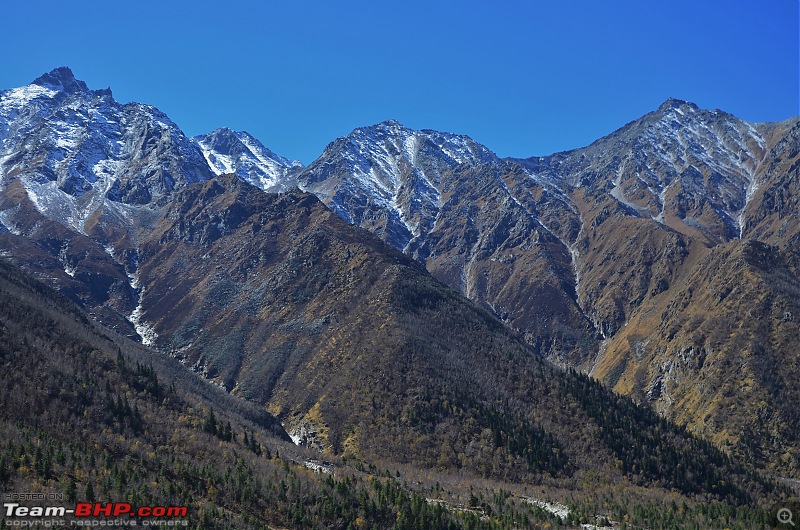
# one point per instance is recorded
(524, 78)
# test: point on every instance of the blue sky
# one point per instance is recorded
(524, 78)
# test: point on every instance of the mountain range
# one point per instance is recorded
(662, 259)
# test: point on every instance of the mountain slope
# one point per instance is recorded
(387, 178)
(679, 173)
(717, 352)
(769, 215)
(83, 176)
(443, 199)
(664, 201)
(93, 417)
(80, 175)
(360, 351)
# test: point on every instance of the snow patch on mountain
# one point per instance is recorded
(662, 200)
(49, 200)
(219, 163)
(18, 97)
(143, 329)
(69, 268)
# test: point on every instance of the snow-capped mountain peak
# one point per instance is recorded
(77, 151)
(707, 157)
(228, 151)
(43, 88)
(393, 168)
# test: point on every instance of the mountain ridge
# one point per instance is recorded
(569, 250)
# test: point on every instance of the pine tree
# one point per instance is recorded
(211, 423)
(71, 489)
(89, 492)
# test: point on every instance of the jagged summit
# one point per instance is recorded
(674, 103)
(691, 169)
(78, 152)
(61, 79)
(391, 122)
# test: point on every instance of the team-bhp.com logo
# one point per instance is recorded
(152, 515)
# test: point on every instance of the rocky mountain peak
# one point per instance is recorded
(391, 123)
(61, 79)
(222, 138)
(673, 103)
(229, 151)
(387, 178)
(76, 151)
(379, 132)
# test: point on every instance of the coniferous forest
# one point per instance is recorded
(93, 417)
